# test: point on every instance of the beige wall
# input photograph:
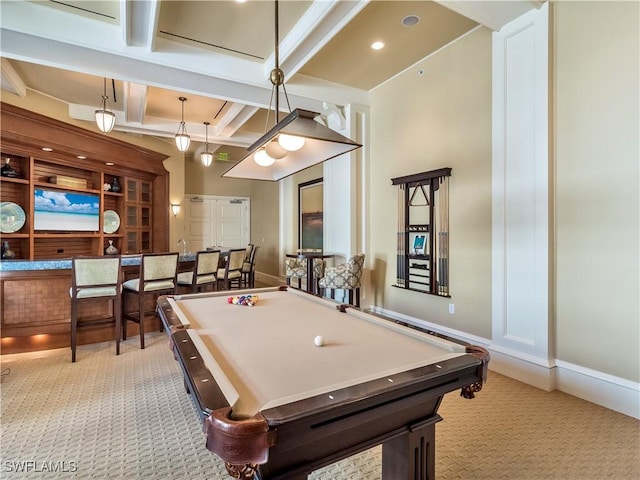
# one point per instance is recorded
(597, 185)
(421, 122)
(442, 118)
(265, 226)
(208, 180)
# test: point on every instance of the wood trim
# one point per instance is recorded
(31, 130)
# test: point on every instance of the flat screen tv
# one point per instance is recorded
(66, 211)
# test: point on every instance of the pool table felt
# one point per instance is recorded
(264, 356)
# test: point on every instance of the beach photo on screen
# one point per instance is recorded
(66, 211)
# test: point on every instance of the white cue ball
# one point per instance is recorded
(318, 341)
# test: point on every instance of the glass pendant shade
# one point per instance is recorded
(182, 141)
(275, 150)
(206, 158)
(105, 120)
(290, 143)
(182, 138)
(262, 158)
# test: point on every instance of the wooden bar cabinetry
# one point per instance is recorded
(59, 158)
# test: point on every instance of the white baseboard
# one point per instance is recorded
(611, 392)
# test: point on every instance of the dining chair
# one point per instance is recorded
(231, 274)
(345, 276)
(94, 278)
(249, 268)
(204, 271)
(158, 272)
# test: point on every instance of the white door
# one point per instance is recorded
(217, 221)
(232, 222)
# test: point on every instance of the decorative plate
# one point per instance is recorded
(12, 217)
(111, 221)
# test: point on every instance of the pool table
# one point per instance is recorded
(275, 405)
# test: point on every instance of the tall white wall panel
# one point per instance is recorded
(520, 304)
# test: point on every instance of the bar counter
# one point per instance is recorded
(36, 309)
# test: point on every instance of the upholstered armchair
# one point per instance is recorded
(346, 276)
(319, 267)
(295, 268)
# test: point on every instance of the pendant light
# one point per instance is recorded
(105, 119)
(206, 157)
(296, 142)
(182, 138)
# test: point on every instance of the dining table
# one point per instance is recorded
(309, 256)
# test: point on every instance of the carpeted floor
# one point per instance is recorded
(128, 417)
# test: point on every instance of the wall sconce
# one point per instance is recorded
(175, 209)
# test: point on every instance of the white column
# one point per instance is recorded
(345, 220)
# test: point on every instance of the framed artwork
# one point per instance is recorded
(310, 224)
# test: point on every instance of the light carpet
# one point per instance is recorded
(129, 417)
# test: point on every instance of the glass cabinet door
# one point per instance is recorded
(139, 215)
(145, 216)
(132, 215)
(132, 190)
(132, 242)
(145, 192)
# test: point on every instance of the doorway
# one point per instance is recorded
(217, 222)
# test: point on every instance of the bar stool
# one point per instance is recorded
(93, 278)
(204, 271)
(158, 272)
(231, 274)
(249, 268)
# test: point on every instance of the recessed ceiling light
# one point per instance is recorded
(47, 149)
(377, 45)
(109, 164)
(81, 157)
(410, 20)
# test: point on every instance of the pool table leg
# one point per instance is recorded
(412, 456)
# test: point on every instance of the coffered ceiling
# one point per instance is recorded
(219, 55)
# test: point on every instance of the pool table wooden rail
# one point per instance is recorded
(398, 411)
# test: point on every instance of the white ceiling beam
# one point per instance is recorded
(135, 101)
(139, 20)
(11, 79)
(233, 119)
